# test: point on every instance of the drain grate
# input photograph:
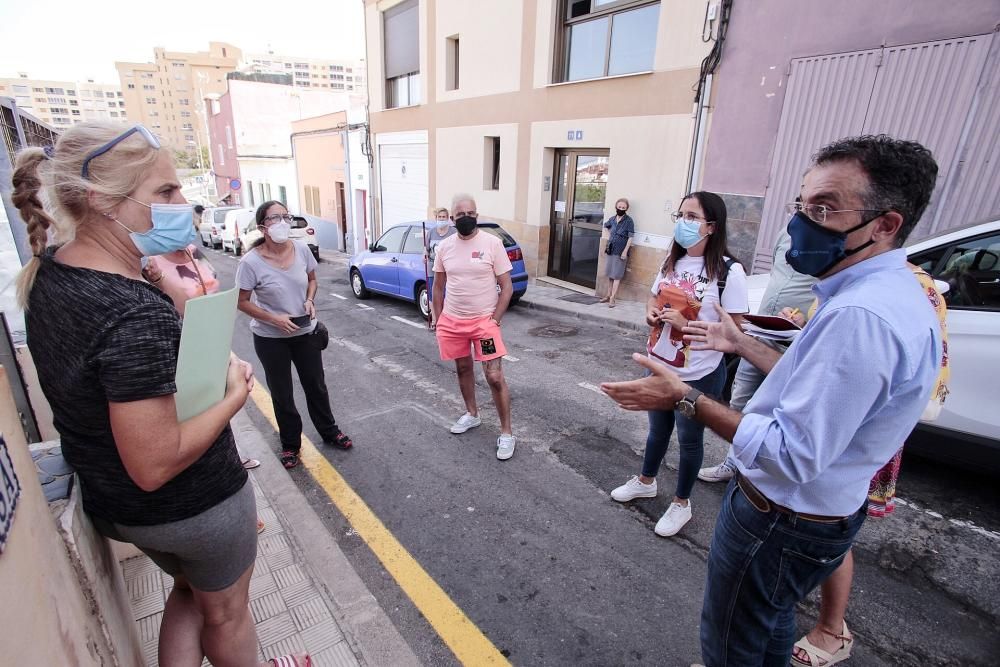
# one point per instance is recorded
(554, 331)
(586, 299)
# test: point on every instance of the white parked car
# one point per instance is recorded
(211, 225)
(243, 232)
(967, 431)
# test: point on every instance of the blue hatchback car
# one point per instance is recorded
(394, 265)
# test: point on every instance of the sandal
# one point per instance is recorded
(611, 303)
(289, 459)
(604, 299)
(250, 464)
(290, 660)
(817, 657)
(340, 441)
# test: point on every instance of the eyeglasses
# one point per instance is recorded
(818, 212)
(462, 214)
(146, 134)
(690, 217)
(278, 217)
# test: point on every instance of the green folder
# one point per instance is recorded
(203, 359)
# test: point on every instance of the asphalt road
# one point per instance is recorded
(536, 553)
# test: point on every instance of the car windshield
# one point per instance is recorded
(299, 222)
(494, 229)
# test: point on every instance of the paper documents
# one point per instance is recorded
(770, 328)
(203, 359)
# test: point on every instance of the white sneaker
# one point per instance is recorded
(505, 446)
(673, 520)
(633, 489)
(719, 473)
(464, 423)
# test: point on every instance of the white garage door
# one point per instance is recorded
(403, 174)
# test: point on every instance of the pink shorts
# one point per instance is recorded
(455, 338)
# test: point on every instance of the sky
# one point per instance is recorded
(78, 40)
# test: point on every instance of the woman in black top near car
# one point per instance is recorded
(105, 342)
(277, 281)
(622, 229)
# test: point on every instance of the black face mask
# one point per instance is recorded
(621, 211)
(465, 225)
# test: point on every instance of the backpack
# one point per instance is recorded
(725, 275)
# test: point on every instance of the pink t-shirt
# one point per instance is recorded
(472, 266)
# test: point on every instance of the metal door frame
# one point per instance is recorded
(572, 153)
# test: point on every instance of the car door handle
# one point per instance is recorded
(394, 259)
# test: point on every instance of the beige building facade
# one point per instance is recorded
(547, 112)
(65, 103)
(167, 95)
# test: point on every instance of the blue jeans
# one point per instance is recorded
(760, 565)
(690, 436)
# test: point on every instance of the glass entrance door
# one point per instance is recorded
(577, 214)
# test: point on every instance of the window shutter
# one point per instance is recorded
(401, 39)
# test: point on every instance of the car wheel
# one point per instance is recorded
(217, 245)
(204, 243)
(514, 298)
(423, 302)
(237, 248)
(358, 285)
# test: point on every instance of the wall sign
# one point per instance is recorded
(10, 491)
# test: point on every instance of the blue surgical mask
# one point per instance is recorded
(815, 249)
(686, 232)
(173, 229)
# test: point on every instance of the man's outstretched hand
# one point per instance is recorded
(659, 391)
(723, 336)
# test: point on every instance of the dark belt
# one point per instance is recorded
(763, 504)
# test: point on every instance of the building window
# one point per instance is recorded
(222, 156)
(74, 103)
(74, 112)
(131, 86)
(250, 192)
(55, 91)
(188, 137)
(336, 68)
(283, 195)
(229, 137)
(184, 103)
(38, 90)
(148, 86)
(401, 45)
(451, 52)
(57, 100)
(185, 114)
(114, 114)
(118, 93)
(109, 94)
(606, 38)
(491, 163)
(187, 126)
(149, 100)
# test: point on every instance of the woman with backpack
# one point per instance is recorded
(697, 272)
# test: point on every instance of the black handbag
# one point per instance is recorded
(320, 336)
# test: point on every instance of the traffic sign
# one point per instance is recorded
(235, 184)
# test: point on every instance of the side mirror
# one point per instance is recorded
(373, 247)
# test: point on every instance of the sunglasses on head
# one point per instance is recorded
(142, 131)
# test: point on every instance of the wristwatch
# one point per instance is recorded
(686, 406)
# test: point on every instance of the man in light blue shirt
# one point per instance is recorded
(831, 411)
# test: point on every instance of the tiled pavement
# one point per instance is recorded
(290, 610)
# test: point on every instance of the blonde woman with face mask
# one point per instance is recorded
(105, 344)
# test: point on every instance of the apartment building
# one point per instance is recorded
(546, 111)
(338, 75)
(167, 95)
(65, 103)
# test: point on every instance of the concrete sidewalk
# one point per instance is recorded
(304, 594)
(544, 296)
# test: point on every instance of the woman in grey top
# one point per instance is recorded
(277, 281)
(622, 229)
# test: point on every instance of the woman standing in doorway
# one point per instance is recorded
(697, 273)
(277, 281)
(622, 229)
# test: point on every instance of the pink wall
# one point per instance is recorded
(765, 35)
(319, 160)
(224, 158)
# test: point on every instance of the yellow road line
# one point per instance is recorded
(461, 635)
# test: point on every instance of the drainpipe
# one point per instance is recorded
(699, 141)
(345, 139)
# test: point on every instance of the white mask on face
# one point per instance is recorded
(279, 232)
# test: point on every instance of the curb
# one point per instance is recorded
(366, 626)
(527, 302)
